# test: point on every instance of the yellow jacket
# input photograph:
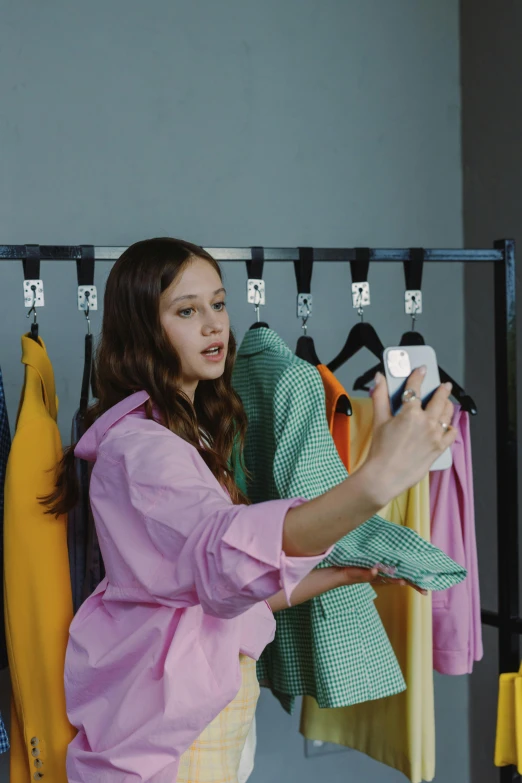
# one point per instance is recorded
(37, 603)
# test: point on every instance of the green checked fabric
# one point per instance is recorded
(399, 553)
(333, 647)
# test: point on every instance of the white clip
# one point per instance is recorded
(360, 295)
(256, 291)
(87, 298)
(33, 293)
(304, 305)
(413, 302)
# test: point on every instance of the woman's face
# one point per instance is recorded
(194, 316)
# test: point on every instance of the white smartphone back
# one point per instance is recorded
(399, 363)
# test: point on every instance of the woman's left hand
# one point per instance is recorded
(352, 575)
(321, 580)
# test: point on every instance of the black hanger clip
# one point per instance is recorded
(33, 285)
(303, 275)
(87, 293)
(413, 278)
(360, 285)
(255, 282)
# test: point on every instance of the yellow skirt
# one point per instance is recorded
(214, 756)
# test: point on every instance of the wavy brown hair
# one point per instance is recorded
(135, 353)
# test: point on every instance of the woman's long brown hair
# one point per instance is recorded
(135, 353)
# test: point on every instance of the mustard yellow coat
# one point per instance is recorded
(38, 603)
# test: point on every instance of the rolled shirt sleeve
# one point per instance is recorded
(211, 552)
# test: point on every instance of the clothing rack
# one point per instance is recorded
(502, 256)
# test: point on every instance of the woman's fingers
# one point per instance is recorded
(381, 402)
(438, 404)
(383, 580)
(414, 383)
(447, 415)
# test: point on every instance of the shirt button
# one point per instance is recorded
(34, 741)
(38, 776)
(38, 763)
(35, 751)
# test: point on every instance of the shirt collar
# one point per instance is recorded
(262, 339)
(87, 446)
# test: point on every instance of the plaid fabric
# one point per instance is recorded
(216, 753)
(4, 740)
(399, 553)
(5, 446)
(333, 647)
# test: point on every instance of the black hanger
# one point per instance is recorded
(85, 272)
(414, 338)
(413, 280)
(362, 335)
(31, 264)
(305, 348)
(255, 272)
(413, 274)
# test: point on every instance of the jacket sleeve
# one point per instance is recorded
(306, 462)
(222, 556)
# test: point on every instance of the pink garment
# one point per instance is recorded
(457, 629)
(153, 653)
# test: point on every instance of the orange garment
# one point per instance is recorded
(339, 423)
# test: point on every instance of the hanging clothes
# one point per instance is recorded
(38, 605)
(398, 731)
(333, 647)
(338, 421)
(457, 627)
(85, 559)
(508, 740)
(5, 445)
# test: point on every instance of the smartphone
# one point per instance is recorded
(399, 363)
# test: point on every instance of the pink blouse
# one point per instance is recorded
(153, 653)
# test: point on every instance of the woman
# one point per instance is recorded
(163, 652)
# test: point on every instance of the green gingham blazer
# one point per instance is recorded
(333, 647)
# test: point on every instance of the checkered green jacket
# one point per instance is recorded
(333, 647)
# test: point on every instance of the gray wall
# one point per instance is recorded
(239, 123)
(492, 166)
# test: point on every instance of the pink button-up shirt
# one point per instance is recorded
(153, 653)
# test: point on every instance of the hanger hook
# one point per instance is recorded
(305, 318)
(257, 301)
(360, 309)
(87, 312)
(33, 306)
(414, 309)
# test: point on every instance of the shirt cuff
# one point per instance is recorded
(294, 569)
(258, 532)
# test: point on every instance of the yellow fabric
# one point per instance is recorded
(37, 603)
(399, 730)
(508, 742)
(214, 757)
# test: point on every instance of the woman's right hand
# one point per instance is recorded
(405, 446)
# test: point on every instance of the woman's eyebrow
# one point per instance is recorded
(195, 296)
